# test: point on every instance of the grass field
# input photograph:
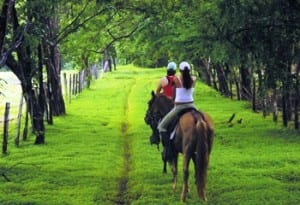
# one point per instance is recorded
(99, 153)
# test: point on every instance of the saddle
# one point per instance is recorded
(155, 139)
(172, 127)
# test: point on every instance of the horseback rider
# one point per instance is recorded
(166, 87)
(166, 83)
(184, 85)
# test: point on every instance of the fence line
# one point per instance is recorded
(71, 86)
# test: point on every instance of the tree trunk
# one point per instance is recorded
(41, 93)
(223, 86)
(24, 69)
(5, 129)
(284, 106)
(206, 72)
(3, 22)
(245, 83)
(253, 94)
(37, 117)
(57, 104)
(297, 88)
(35, 111)
(87, 71)
(25, 130)
(237, 85)
(296, 107)
(53, 65)
(215, 85)
(274, 104)
(229, 76)
(55, 96)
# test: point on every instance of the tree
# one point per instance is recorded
(31, 39)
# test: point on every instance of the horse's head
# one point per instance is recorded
(158, 106)
(152, 115)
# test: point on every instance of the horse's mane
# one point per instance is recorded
(165, 103)
(164, 98)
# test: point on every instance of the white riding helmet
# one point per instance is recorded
(171, 66)
(184, 65)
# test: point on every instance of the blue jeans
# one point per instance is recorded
(165, 122)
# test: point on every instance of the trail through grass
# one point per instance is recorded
(99, 153)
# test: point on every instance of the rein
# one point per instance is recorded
(153, 118)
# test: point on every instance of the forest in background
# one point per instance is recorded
(244, 49)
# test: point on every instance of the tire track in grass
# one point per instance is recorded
(122, 196)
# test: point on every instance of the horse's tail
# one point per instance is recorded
(202, 157)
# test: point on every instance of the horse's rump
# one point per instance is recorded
(190, 130)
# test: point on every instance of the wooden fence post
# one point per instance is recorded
(73, 84)
(70, 88)
(25, 130)
(5, 130)
(17, 139)
(65, 86)
(81, 80)
(77, 84)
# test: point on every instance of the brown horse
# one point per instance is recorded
(193, 138)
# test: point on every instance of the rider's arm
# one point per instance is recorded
(176, 85)
(159, 87)
(194, 80)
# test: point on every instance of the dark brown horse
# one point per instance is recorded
(193, 138)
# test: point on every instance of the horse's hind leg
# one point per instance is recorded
(186, 161)
(164, 166)
(195, 166)
(174, 171)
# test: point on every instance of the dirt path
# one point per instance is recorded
(122, 196)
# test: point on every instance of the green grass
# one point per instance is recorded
(82, 162)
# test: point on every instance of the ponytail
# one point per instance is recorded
(187, 79)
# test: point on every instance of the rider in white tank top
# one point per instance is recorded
(183, 100)
(184, 95)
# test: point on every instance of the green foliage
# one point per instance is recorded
(265, 30)
(84, 160)
(94, 28)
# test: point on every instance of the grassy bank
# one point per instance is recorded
(99, 153)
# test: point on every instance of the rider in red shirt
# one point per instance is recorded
(165, 86)
(166, 83)
(184, 85)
